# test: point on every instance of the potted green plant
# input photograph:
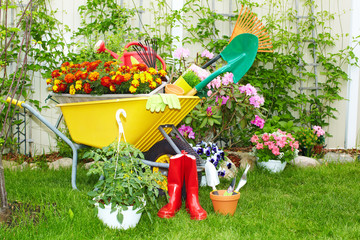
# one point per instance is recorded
(274, 150)
(311, 140)
(127, 187)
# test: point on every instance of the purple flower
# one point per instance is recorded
(208, 151)
(228, 165)
(200, 151)
(209, 111)
(221, 173)
(181, 53)
(207, 54)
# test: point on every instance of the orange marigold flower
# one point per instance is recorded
(162, 73)
(105, 81)
(124, 69)
(65, 64)
(78, 74)
(93, 76)
(132, 89)
(84, 75)
(112, 73)
(55, 73)
(69, 78)
(84, 64)
(112, 88)
(87, 88)
(127, 77)
(92, 66)
(158, 80)
(108, 63)
(142, 67)
(152, 85)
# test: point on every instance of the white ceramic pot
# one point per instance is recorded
(130, 220)
(273, 165)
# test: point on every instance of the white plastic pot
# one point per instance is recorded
(130, 220)
(273, 165)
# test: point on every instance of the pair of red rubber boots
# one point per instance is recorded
(183, 167)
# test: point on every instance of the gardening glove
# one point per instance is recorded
(155, 103)
(171, 100)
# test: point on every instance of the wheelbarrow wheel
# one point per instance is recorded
(162, 150)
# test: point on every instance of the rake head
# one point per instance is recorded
(247, 22)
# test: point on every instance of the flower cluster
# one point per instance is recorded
(181, 53)
(318, 131)
(212, 153)
(104, 77)
(186, 131)
(258, 122)
(278, 145)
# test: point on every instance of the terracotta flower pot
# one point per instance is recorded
(174, 89)
(224, 204)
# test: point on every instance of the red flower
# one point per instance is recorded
(78, 74)
(55, 73)
(65, 64)
(105, 81)
(84, 75)
(69, 78)
(62, 87)
(87, 88)
(119, 79)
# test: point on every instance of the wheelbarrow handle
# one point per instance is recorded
(143, 46)
(15, 102)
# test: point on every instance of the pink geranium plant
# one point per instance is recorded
(278, 145)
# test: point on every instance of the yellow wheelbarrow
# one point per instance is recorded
(94, 124)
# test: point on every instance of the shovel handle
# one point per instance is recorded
(211, 61)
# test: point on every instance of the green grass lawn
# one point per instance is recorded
(312, 203)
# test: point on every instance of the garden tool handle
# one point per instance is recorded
(15, 102)
(140, 45)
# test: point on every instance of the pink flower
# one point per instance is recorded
(259, 146)
(318, 131)
(186, 131)
(209, 111)
(254, 139)
(265, 137)
(258, 122)
(216, 83)
(270, 145)
(248, 89)
(209, 93)
(256, 101)
(207, 54)
(281, 143)
(227, 79)
(296, 144)
(201, 73)
(181, 53)
(275, 151)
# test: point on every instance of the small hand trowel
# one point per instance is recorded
(230, 189)
(243, 180)
(212, 177)
(239, 55)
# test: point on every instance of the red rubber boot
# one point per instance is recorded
(192, 189)
(175, 183)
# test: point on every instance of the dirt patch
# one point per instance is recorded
(20, 213)
(50, 157)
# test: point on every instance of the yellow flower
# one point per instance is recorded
(48, 81)
(162, 73)
(135, 83)
(152, 85)
(132, 89)
(112, 88)
(72, 90)
(142, 77)
(112, 73)
(152, 71)
(55, 88)
(57, 82)
(158, 81)
(148, 77)
(136, 76)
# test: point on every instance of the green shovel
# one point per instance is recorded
(239, 55)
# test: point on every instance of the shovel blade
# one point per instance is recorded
(212, 177)
(240, 54)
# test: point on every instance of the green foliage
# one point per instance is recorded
(191, 78)
(275, 123)
(127, 180)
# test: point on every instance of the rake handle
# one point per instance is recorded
(211, 61)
